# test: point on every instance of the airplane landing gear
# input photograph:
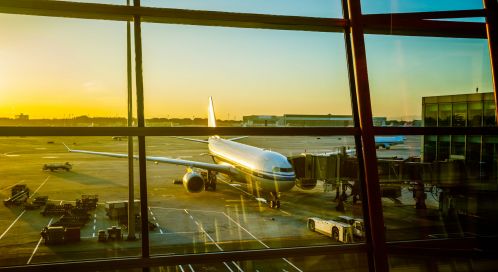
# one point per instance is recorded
(210, 181)
(274, 200)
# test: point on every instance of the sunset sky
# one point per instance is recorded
(54, 67)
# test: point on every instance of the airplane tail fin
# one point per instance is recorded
(211, 116)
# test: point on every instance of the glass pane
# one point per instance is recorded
(110, 2)
(447, 190)
(317, 8)
(62, 72)
(279, 192)
(397, 6)
(475, 114)
(336, 262)
(281, 78)
(62, 206)
(441, 263)
(413, 76)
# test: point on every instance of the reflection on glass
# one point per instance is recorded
(451, 192)
(335, 262)
(475, 114)
(459, 114)
(413, 262)
(444, 115)
(430, 119)
(489, 114)
(252, 205)
(63, 206)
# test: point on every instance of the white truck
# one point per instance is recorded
(356, 223)
(339, 231)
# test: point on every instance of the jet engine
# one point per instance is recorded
(193, 182)
(305, 184)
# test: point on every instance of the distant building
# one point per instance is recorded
(260, 120)
(305, 120)
(465, 110)
(22, 117)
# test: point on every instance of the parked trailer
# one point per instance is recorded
(55, 209)
(19, 195)
(57, 166)
(87, 202)
(53, 235)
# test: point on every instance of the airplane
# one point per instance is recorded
(266, 173)
(388, 141)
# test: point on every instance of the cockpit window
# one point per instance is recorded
(279, 169)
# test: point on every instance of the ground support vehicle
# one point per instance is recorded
(71, 221)
(54, 209)
(19, 195)
(356, 223)
(57, 166)
(338, 231)
(53, 235)
(87, 202)
(36, 203)
(114, 233)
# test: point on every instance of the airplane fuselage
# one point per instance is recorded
(265, 170)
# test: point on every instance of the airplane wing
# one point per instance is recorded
(237, 138)
(226, 169)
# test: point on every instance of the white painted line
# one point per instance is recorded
(153, 217)
(287, 213)
(214, 242)
(161, 231)
(39, 187)
(237, 188)
(181, 268)
(8, 187)
(94, 227)
(95, 216)
(94, 221)
(39, 242)
(261, 242)
(3, 234)
(93, 235)
(191, 268)
(179, 209)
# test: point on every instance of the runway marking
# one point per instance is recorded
(261, 242)
(191, 268)
(8, 187)
(181, 268)
(3, 234)
(287, 213)
(39, 187)
(236, 188)
(182, 209)
(39, 242)
(215, 243)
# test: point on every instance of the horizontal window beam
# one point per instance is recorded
(374, 24)
(450, 14)
(168, 15)
(176, 131)
(169, 260)
(436, 130)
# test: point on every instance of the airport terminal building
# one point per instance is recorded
(294, 191)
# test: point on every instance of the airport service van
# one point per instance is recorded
(338, 231)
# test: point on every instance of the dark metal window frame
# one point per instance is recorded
(353, 25)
